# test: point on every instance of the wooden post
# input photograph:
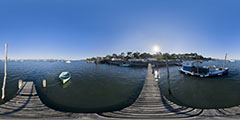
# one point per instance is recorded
(168, 76)
(5, 73)
(44, 83)
(225, 60)
(19, 84)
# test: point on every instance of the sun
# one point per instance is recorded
(156, 49)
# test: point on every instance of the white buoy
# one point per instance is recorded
(44, 82)
(19, 84)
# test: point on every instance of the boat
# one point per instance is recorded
(231, 60)
(67, 84)
(64, 77)
(88, 61)
(68, 61)
(124, 65)
(194, 69)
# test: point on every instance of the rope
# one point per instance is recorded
(52, 85)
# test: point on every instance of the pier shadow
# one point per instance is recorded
(180, 109)
(24, 104)
(232, 112)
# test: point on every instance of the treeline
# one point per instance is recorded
(159, 56)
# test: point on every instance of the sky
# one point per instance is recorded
(77, 29)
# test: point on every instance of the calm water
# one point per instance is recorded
(218, 92)
(98, 88)
(92, 88)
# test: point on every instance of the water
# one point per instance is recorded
(217, 92)
(92, 88)
(98, 88)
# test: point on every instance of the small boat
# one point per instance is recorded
(231, 60)
(68, 61)
(124, 65)
(192, 68)
(89, 61)
(64, 77)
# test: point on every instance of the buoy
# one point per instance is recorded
(44, 83)
(19, 84)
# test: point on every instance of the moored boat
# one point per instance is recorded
(124, 65)
(64, 77)
(68, 61)
(231, 60)
(192, 68)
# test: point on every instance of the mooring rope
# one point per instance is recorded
(53, 84)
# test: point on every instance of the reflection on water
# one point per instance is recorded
(217, 92)
(98, 88)
(92, 88)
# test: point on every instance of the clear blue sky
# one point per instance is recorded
(75, 29)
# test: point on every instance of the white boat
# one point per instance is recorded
(231, 60)
(68, 61)
(124, 65)
(192, 68)
(64, 77)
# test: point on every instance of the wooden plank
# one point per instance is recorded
(28, 89)
(28, 105)
(152, 104)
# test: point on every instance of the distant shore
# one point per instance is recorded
(142, 59)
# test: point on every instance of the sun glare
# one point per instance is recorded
(156, 48)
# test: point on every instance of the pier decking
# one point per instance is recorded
(27, 104)
(150, 104)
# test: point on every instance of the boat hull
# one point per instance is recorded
(65, 80)
(211, 74)
(124, 65)
(65, 77)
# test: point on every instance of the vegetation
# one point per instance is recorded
(159, 56)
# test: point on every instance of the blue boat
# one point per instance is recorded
(192, 68)
(64, 77)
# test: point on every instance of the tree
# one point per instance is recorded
(114, 55)
(166, 55)
(145, 55)
(108, 57)
(136, 55)
(129, 54)
(173, 56)
(122, 55)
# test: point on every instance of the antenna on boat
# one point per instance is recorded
(5, 73)
(197, 68)
(169, 90)
(225, 60)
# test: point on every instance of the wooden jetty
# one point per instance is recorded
(150, 104)
(27, 105)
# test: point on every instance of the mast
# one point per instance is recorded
(225, 60)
